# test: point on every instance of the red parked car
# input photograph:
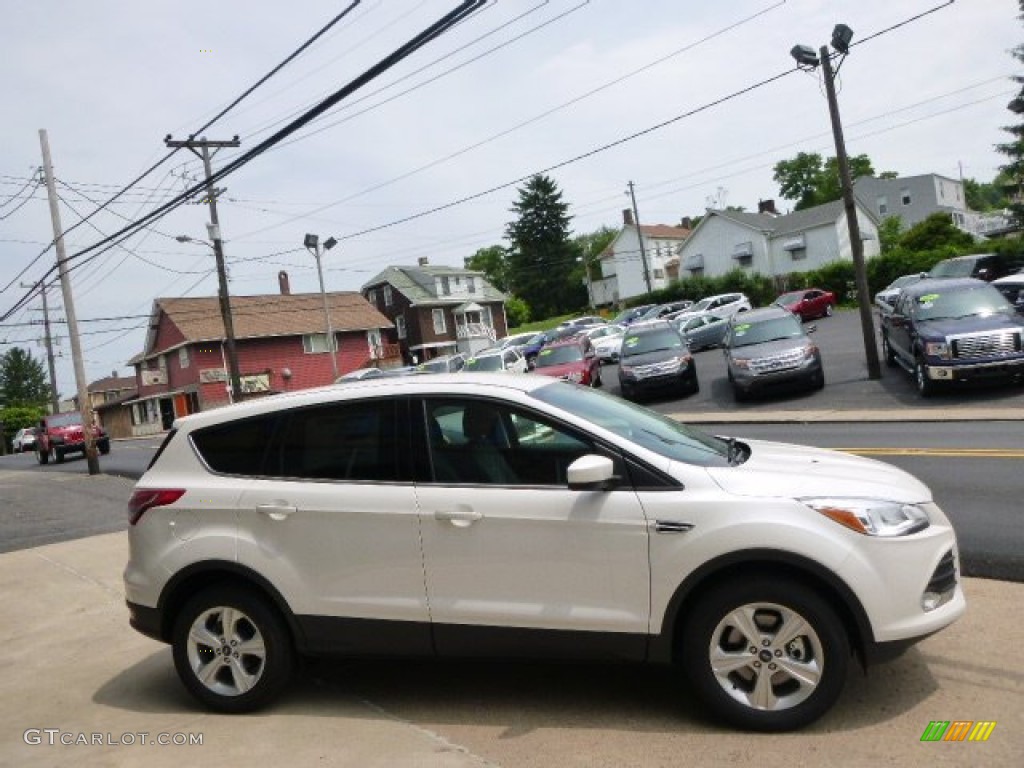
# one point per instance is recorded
(808, 303)
(572, 359)
(59, 434)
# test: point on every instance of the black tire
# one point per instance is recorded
(828, 310)
(42, 457)
(269, 674)
(925, 386)
(887, 353)
(739, 395)
(596, 381)
(693, 386)
(104, 448)
(57, 455)
(822, 649)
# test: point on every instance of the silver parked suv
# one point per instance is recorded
(767, 349)
(515, 515)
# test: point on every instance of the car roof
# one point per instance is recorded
(462, 383)
(942, 284)
(763, 313)
(651, 325)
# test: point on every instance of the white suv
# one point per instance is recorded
(515, 515)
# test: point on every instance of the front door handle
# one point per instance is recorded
(276, 510)
(462, 517)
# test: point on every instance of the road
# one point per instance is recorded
(971, 468)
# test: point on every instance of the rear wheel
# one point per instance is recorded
(56, 455)
(766, 654)
(828, 310)
(231, 650)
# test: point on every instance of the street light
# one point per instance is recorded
(312, 243)
(806, 59)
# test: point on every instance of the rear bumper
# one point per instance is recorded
(145, 620)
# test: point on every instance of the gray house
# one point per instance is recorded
(912, 198)
(767, 243)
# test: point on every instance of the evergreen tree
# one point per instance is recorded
(1014, 150)
(22, 380)
(542, 258)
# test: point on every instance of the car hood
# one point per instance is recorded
(795, 471)
(649, 358)
(950, 327)
(768, 348)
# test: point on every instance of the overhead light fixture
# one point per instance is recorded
(804, 55)
(329, 243)
(841, 37)
(311, 241)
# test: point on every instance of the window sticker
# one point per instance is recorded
(927, 301)
(741, 329)
(631, 342)
(545, 352)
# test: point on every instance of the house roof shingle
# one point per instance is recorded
(272, 315)
(664, 230)
(111, 383)
(417, 284)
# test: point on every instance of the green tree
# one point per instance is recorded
(493, 263)
(937, 231)
(889, 233)
(517, 311)
(987, 196)
(811, 180)
(1014, 149)
(541, 256)
(22, 380)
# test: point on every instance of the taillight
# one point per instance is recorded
(147, 498)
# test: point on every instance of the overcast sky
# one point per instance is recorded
(518, 88)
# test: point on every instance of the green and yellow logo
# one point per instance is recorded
(958, 730)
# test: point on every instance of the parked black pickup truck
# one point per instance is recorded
(952, 330)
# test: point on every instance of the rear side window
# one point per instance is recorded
(354, 441)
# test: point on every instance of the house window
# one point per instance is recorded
(161, 363)
(883, 205)
(905, 196)
(315, 343)
(439, 325)
(371, 296)
(183, 357)
(471, 284)
(486, 317)
(400, 326)
(388, 298)
(659, 273)
(798, 253)
(446, 289)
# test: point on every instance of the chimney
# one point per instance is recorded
(282, 280)
(767, 206)
(627, 217)
(686, 222)
(423, 261)
(113, 374)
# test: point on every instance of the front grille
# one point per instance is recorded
(982, 345)
(656, 369)
(774, 363)
(944, 578)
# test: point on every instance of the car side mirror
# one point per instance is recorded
(811, 328)
(591, 473)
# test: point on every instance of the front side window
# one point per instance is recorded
(482, 442)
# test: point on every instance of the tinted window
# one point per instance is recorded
(979, 300)
(236, 448)
(354, 441)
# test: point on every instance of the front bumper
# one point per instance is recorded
(807, 373)
(943, 371)
(678, 379)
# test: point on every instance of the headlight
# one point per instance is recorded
(936, 349)
(574, 376)
(873, 517)
(626, 369)
(809, 351)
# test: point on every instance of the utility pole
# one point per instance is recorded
(867, 323)
(640, 237)
(84, 404)
(54, 399)
(192, 143)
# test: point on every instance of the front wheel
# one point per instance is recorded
(828, 310)
(43, 457)
(925, 386)
(56, 455)
(765, 654)
(887, 353)
(231, 650)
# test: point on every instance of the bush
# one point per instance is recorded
(517, 311)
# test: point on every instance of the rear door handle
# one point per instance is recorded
(460, 518)
(276, 510)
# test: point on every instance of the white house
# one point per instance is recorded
(637, 261)
(770, 244)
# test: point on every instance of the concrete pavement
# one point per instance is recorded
(72, 669)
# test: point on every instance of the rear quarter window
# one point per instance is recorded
(236, 448)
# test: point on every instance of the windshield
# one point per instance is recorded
(965, 302)
(637, 424)
(642, 343)
(953, 268)
(790, 298)
(745, 334)
(65, 420)
(569, 353)
(900, 282)
(486, 363)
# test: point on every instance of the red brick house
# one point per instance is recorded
(438, 310)
(281, 344)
